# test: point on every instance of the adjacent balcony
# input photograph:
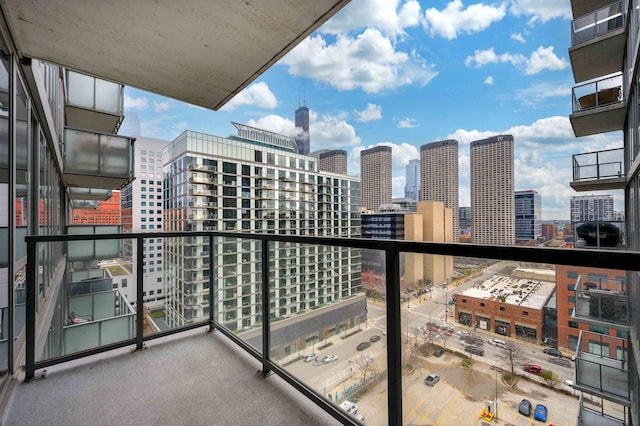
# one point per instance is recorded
(92, 103)
(599, 234)
(593, 414)
(598, 42)
(94, 160)
(85, 204)
(602, 367)
(599, 170)
(598, 107)
(584, 7)
(91, 249)
(602, 303)
(89, 194)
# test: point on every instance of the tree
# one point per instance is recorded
(549, 377)
(366, 367)
(513, 355)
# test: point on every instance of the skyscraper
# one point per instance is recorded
(412, 186)
(492, 194)
(591, 208)
(331, 160)
(528, 215)
(439, 176)
(375, 176)
(303, 140)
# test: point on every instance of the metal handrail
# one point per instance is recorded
(392, 248)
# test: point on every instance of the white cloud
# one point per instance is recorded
(543, 58)
(381, 14)
(373, 112)
(135, 103)
(542, 10)
(407, 123)
(453, 19)
(327, 131)
(518, 37)
(369, 62)
(488, 80)
(161, 106)
(257, 94)
(539, 92)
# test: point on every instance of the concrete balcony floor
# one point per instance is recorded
(194, 378)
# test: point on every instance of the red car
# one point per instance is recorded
(532, 368)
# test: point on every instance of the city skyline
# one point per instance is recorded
(512, 59)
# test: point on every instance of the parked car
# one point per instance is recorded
(432, 379)
(525, 407)
(310, 357)
(540, 413)
(552, 352)
(349, 407)
(438, 352)
(374, 338)
(362, 346)
(532, 368)
(329, 358)
(476, 350)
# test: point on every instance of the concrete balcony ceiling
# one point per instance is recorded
(599, 56)
(202, 52)
(582, 7)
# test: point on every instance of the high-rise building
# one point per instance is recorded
(492, 193)
(464, 218)
(331, 160)
(142, 211)
(254, 182)
(375, 175)
(436, 227)
(412, 186)
(439, 176)
(591, 208)
(528, 215)
(303, 138)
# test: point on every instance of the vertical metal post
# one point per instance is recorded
(139, 292)
(394, 337)
(30, 324)
(211, 282)
(266, 329)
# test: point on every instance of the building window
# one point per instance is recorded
(598, 329)
(124, 282)
(572, 275)
(571, 287)
(573, 324)
(481, 303)
(502, 308)
(525, 313)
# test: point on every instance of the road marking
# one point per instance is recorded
(443, 416)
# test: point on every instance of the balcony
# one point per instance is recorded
(598, 107)
(92, 103)
(599, 170)
(90, 249)
(237, 339)
(598, 42)
(602, 367)
(599, 234)
(590, 414)
(94, 160)
(89, 194)
(605, 303)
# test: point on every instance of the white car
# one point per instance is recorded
(329, 358)
(498, 343)
(310, 357)
(349, 407)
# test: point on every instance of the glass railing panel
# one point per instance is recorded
(115, 156)
(602, 364)
(80, 90)
(108, 96)
(97, 154)
(599, 234)
(604, 298)
(598, 93)
(598, 165)
(598, 23)
(92, 93)
(322, 331)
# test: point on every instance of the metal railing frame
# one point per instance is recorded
(623, 260)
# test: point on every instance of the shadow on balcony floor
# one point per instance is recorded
(195, 378)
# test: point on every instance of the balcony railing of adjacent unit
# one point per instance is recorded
(599, 234)
(604, 169)
(600, 22)
(602, 366)
(591, 413)
(602, 303)
(265, 333)
(596, 94)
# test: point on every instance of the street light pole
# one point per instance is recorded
(496, 370)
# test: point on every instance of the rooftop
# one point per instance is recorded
(530, 293)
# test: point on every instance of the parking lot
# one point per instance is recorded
(460, 395)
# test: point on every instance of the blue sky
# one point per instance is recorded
(406, 73)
